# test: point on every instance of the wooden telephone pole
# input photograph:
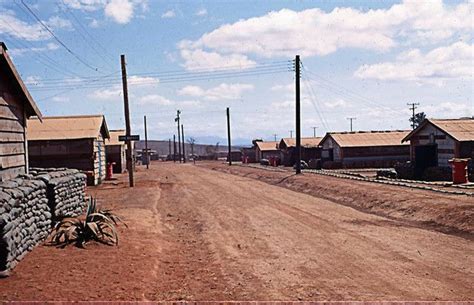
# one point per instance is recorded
(147, 155)
(179, 135)
(298, 115)
(174, 148)
(182, 136)
(413, 108)
(127, 121)
(229, 142)
(351, 119)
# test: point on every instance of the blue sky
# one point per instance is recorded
(363, 59)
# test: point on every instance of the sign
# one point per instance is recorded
(129, 138)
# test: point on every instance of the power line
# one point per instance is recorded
(57, 39)
(345, 92)
(313, 101)
(178, 73)
(351, 119)
(413, 108)
(42, 58)
(98, 85)
(104, 54)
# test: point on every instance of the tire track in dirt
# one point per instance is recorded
(334, 251)
(188, 270)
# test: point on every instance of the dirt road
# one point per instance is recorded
(198, 234)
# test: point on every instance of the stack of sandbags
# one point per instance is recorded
(25, 219)
(66, 190)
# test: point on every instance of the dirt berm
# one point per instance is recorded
(451, 214)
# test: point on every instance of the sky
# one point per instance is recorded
(360, 59)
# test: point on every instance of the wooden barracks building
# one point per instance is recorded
(436, 141)
(115, 151)
(70, 141)
(16, 106)
(364, 149)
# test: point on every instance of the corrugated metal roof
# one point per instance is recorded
(459, 129)
(67, 127)
(114, 135)
(368, 138)
(267, 146)
(305, 142)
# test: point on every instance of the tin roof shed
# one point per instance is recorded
(368, 138)
(461, 130)
(67, 128)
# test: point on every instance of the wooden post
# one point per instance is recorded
(179, 135)
(127, 121)
(147, 156)
(229, 142)
(169, 148)
(298, 115)
(174, 148)
(182, 136)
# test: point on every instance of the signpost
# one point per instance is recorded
(129, 138)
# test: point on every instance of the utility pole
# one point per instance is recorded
(352, 119)
(169, 147)
(298, 115)
(127, 121)
(147, 156)
(229, 142)
(174, 148)
(314, 131)
(275, 136)
(413, 108)
(291, 134)
(182, 137)
(179, 135)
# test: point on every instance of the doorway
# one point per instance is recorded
(425, 156)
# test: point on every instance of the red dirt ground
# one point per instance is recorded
(201, 234)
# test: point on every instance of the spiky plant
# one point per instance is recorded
(97, 225)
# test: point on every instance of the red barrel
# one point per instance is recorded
(110, 170)
(459, 170)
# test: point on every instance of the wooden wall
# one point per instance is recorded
(13, 147)
(446, 145)
(87, 155)
(75, 153)
(330, 144)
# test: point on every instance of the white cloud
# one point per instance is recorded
(314, 31)
(57, 22)
(154, 99)
(288, 88)
(94, 23)
(121, 11)
(85, 5)
(112, 93)
(336, 104)
(435, 66)
(201, 12)
(222, 92)
(11, 25)
(140, 81)
(199, 59)
(49, 47)
(33, 80)
(60, 99)
(449, 110)
(168, 14)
